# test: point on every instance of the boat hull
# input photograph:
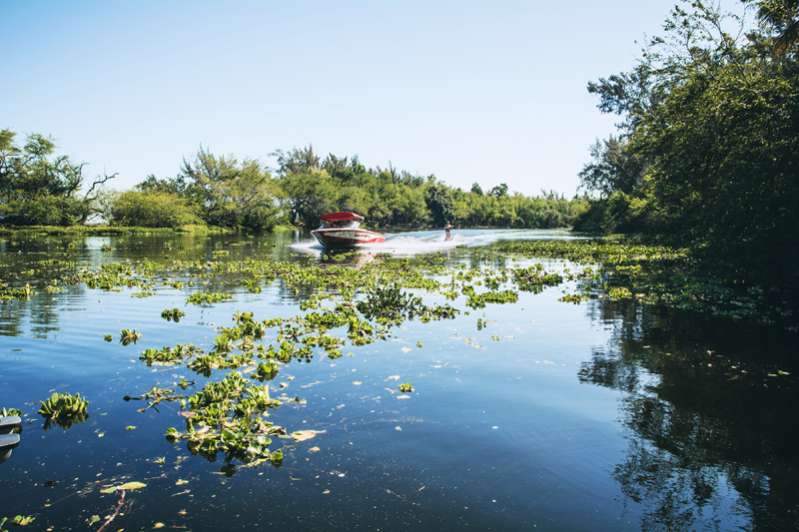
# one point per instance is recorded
(346, 237)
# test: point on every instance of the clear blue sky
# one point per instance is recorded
(485, 91)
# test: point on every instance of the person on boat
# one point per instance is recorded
(448, 231)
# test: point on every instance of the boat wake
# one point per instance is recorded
(420, 242)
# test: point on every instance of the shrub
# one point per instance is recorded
(151, 209)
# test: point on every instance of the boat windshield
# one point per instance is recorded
(349, 224)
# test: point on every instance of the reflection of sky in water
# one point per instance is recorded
(548, 417)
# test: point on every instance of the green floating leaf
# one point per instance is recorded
(128, 486)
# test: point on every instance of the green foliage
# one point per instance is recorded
(151, 209)
(23, 520)
(406, 387)
(64, 409)
(223, 191)
(709, 142)
(168, 356)
(208, 298)
(390, 198)
(38, 187)
(439, 201)
(129, 336)
(172, 314)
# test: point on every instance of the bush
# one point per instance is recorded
(151, 209)
(43, 210)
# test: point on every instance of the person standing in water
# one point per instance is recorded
(448, 231)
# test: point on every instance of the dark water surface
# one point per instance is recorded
(597, 416)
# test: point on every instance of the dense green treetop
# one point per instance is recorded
(707, 150)
(39, 187)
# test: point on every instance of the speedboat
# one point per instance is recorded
(343, 230)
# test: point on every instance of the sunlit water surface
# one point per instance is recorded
(597, 416)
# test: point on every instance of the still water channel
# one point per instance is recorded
(555, 416)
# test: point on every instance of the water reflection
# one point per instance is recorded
(712, 426)
(706, 406)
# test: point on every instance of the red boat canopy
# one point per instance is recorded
(341, 217)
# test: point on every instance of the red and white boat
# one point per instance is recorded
(343, 230)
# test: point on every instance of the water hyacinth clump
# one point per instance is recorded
(229, 417)
(168, 356)
(129, 336)
(64, 409)
(208, 298)
(173, 314)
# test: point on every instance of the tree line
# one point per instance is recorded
(40, 187)
(707, 149)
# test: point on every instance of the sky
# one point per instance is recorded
(472, 91)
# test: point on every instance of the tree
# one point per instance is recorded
(227, 192)
(782, 18)
(709, 141)
(39, 187)
(613, 167)
(439, 201)
(499, 191)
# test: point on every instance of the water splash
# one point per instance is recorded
(420, 242)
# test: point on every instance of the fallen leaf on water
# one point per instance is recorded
(127, 486)
(303, 435)
(132, 486)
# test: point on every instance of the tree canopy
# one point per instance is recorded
(708, 147)
(38, 187)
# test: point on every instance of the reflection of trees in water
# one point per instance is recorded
(40, 259)
(40, 313)
(710, 431)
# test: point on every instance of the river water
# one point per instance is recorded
(554, 416)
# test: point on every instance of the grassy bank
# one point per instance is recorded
(111, 230)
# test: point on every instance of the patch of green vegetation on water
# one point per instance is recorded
(64, 409)
(172, 314)
(129, 336)
(208, 298)
(655, 275)
(168, 356)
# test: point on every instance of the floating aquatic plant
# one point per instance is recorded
(172, 314)
(168, 356)
(228, 417)
(129, 336)
(406, 387)
(208, 298)
(22, 520)
(64, 409)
